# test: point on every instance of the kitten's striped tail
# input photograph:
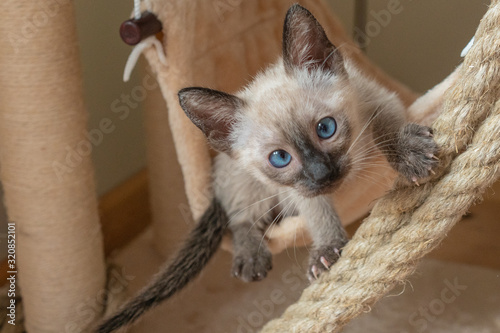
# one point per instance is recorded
(189, 261)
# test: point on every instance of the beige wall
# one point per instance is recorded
(422, 43)
(344, 10)
(121, 153)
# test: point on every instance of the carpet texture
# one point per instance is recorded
(441, 297)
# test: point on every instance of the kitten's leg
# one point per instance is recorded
(328, 235)
(408, 147)
(245, 200)
(251, 258)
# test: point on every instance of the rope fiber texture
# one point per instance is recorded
(411, 221)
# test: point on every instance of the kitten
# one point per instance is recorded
(294, 135)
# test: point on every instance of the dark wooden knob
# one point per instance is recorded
(134, 30)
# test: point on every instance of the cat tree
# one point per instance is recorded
(60, 255)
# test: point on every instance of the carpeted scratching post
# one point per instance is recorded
(46, 168)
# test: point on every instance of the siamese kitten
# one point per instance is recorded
(295, 134)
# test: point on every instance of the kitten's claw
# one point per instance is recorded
(252, 266)
(315, 272)
(325, 263)
(322, 259)
(434, 157)
(415, 180)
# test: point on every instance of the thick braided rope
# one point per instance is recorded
(410, 221)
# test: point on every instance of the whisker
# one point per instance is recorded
(275, 224)
(375, 145)
(281, 213)
(375, 139)
(365, 167)
(378, 174)
(373, 151)
(269, 210)
(367, 162)
(371, 160)
(372, 156)
(291, 210)
(255, 203)
(370, 120)
(295, 242)
(304, 241)
(371, 180)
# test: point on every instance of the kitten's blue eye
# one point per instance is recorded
(326, 128)
(280, 158)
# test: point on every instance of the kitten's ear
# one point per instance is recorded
(212, 111)
(305, 44)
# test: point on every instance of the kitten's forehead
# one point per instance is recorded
(280, 107)
(275, 95)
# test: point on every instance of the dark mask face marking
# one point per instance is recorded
(320, 170)
(322, 165)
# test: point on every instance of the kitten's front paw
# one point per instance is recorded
(322, 258)
(416, 153)
(252, 266)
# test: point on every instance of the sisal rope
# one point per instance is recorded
(409, 222)
(60, 260)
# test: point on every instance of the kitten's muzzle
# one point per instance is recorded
(319, 177)
(318, 172)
